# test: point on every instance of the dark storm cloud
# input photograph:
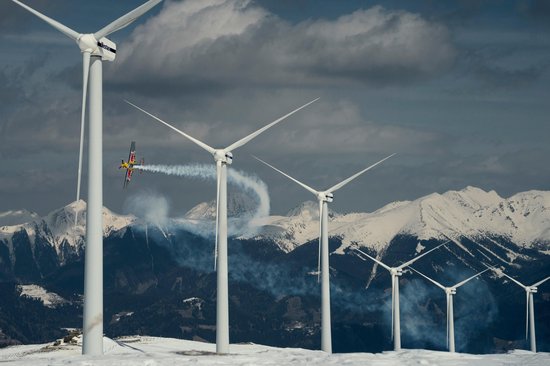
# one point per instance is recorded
(538, 10)
(398, 78)
(11, 94)
(503, 59)
(460, 12)
(501, 77)
(236, 42)
(14, 19)
(14, 81)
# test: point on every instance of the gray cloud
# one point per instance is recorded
(496, 67)
(222, 42)
(538, 10)
(14, 19)
(222, 69)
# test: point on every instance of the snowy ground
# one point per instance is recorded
(151, 351)
(49, 299)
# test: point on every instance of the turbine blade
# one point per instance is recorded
(514, 280)
(246, 139)
(343, 183)
(429, 279)
(60, 27)
(470, 278)
(374, 259)
(288, 176)
(526, 315)
(218, 167)
(320, 234)
(125, 20)
(85, 73)
(406, 264)
(541, 282)
(211, 150)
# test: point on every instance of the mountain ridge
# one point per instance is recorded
(523, 218)
(469, 212)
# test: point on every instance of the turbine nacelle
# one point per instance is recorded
(396, 271)
(104, 48)
(225, 157)
(450, 290)
(532, 289)
(325, 196)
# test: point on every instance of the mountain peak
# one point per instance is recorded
(307, 209)
(474, 197)
(58, 226)
(237, 206)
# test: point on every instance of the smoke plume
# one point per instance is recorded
(252, 186)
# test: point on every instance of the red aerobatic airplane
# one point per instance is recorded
(130, 164)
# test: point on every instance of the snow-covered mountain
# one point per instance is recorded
(523, 219)
(58, 228)
(169, 266)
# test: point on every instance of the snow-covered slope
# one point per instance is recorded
(157, 351)
(49, 299)
(237, 205)
(523, 219)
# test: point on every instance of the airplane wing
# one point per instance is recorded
(127, 177)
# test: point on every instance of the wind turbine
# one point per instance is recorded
(223, 158)
(324, 197)
(529, 308)
(450, 292)
(95, 48)
(395, 273)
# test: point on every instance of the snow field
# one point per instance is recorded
(155, 351)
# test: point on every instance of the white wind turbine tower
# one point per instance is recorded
(95, 48)
(529, 308)
(450, 292)
(324, 197)
(395, 273)
(223, 158)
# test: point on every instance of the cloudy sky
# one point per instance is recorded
(459, 89)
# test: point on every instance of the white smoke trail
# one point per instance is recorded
(200, 171)
(244, 225)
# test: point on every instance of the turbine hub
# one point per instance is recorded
(103, 48)
(87, 43)
(450, 291)
(225, 157)
(532, 289)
